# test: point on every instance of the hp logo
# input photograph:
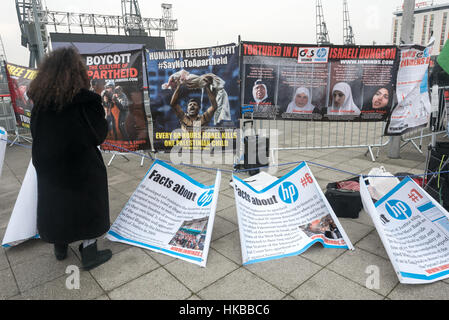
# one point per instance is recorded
(288, 192)
(206, 198)
(398, 209)
(321, 53)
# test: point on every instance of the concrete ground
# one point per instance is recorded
(30, 270)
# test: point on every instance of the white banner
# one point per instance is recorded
(23, 222)
(412, 91)
(170, 213)
(286, 217)
(3, 142)
(414, 230)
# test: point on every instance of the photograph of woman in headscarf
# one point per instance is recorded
(342, 101)
(261, 101)
(302, 102)
(379, 102)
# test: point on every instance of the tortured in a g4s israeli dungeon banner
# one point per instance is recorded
(118, 78)
(308, 82)
(194, 96)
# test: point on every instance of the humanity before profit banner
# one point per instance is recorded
(194, 96)
(308, 82)
(118, 78)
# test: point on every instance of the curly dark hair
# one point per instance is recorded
(62, 74)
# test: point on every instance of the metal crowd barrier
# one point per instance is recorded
(310, 135)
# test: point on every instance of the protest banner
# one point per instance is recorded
(118, 78)
(3, 142)
(22, 224)
(19, 79)
(308, 82)
(414, 229)
(286, 217)
(413, 102)
(207, 77)
(169, 213)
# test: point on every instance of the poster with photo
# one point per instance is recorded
(19, 80)
(413, 106)
(169, 213)
(194, 96)
(284, 217)
(414, 229)
(332, 83)
(118, 78)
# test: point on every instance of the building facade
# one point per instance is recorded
(429, 19)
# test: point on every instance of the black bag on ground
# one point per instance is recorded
(345, 203)
(256, 151)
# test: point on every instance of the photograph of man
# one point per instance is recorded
(116, 106)
(302, 103)
(380, 101)
(342, 101)
(192, 117)
(21, 98)
(261, 101)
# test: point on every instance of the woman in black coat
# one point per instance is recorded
(67, 124)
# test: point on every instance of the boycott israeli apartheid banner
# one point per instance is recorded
(169, 213)
(194, 96)
(331, 83)
(19, 79)
(286, 217)
(414, 229)
(118, 78)
(413, 102)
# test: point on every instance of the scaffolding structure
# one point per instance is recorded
(322, 35)
(348, 35)
(34, 20)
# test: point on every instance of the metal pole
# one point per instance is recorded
(37, 28)
(406, 37)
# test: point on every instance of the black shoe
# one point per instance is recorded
(91, 257)
(61, 251)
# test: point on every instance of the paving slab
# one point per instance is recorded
(373, 244)
(434, 291)
(161, 258)
(4, 264)
(328, 285)
(59, 290)
(354, 266)
(156, 285)
(229, 214)
(241, 285)
(41, 269)
(229, 246)
(322, 256)
(222, 227)
(7, 284)
(29, 250)
(355, 231)
(285, 274)
(123, 267)
(195, 277)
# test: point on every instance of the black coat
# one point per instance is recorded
(72, 182)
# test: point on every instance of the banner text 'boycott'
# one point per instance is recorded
(108, 59)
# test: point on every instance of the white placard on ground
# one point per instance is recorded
(170, 213)
(286, 217)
